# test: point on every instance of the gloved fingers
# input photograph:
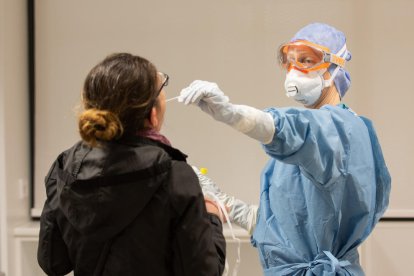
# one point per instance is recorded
(188, 96)
(204, 86)
(209, 89)
(198, 90)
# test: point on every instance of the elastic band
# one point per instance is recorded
(223, 211)
(331, 79)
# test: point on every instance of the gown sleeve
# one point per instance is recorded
(315, 140)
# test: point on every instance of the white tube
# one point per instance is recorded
(171, 99)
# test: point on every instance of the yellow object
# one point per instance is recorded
(203, 170)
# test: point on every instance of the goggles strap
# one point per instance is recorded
(338, 58)
(342, 54)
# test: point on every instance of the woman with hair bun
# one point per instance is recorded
(122, 201)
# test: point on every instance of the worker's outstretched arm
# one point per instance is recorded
(253, 122)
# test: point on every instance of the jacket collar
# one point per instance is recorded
(134, 140)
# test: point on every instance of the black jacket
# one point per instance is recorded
(133, 207)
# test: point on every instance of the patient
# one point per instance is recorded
(123, 201)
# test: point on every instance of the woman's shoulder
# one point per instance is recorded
(183, 180)
(182, 173)
(182, 186)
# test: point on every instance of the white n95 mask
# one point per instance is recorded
(304, 88)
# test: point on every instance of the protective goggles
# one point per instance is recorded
(306, 56)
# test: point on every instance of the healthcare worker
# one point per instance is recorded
(326, 184)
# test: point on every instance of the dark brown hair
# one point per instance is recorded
(118, 95)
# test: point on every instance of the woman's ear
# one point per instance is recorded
(153, 119)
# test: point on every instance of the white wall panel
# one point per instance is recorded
(389, 250)
(14, 125)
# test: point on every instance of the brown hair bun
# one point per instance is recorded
(99, 125)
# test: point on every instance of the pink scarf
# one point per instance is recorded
(154, 135)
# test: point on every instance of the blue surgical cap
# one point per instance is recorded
(328, 36)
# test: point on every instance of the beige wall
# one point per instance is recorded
(232, 43)
(3, 236)
(386, 91)
(14, 126)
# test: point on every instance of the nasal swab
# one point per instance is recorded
(171, 99)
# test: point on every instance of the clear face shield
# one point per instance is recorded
(305, 56)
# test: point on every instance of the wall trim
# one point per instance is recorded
(32, 103)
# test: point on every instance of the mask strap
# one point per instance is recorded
(335, 72)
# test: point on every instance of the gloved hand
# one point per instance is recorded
(198, 90)
(255, 123)
(209, 97)
(241, 213)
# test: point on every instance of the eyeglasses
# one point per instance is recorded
(164, 82)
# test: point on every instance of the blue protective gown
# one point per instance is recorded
(322, 192)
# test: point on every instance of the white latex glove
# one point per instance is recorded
(198, 90)
(241, 213)
(255, 123)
